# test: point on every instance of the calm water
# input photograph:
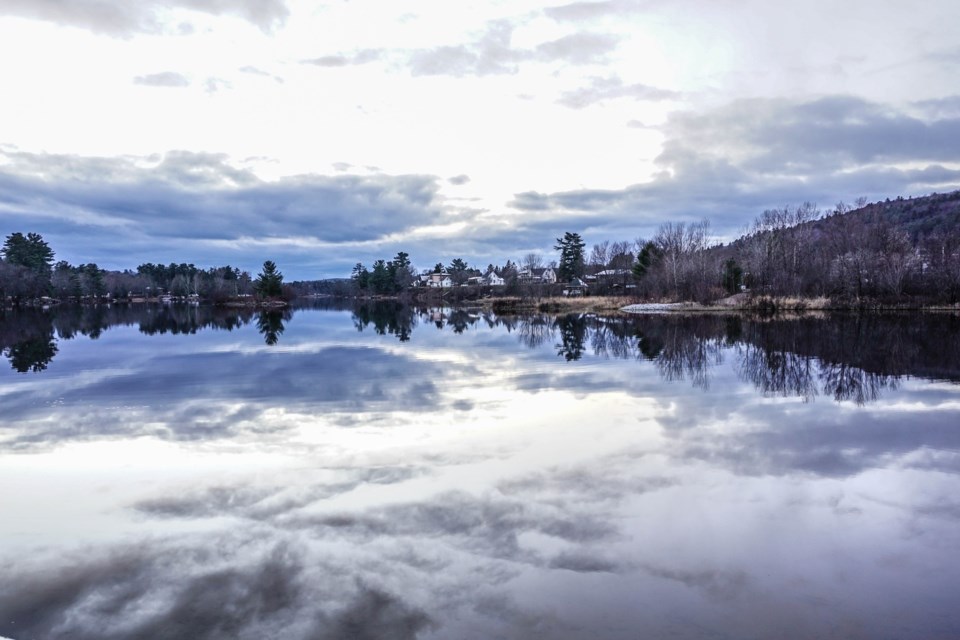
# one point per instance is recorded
(391, 473)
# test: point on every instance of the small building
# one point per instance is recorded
(576, 287)
(535, 276)
(436, 280)
(493, 280)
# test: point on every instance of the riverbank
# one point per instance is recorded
(745, 303)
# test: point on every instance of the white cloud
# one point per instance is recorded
(698, 108)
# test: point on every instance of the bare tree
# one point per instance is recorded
(599, 256)
(532, 261)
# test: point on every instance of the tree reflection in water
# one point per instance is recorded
(270, 325)
(29, 337)
(851, 357)
(26, 339)
(848, 357)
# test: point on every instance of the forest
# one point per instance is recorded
(904, 251)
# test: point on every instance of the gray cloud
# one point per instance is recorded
(269, 562)
(578, 48)
(258, 503)
(487, 525)
(580, 11)
(827, 446)
(235, 395)
(122, 18)
(119, 211)
(602, 89)
(584, 563)
(835, 132)
(363, 56)
(260, 72)
(242, 586)
(947, 107)
(493, 53)
(731, 163)
(163, 79)
(460, 179)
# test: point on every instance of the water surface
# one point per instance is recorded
(385, 472)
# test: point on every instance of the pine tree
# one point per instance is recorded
(269, 282)
(571, 256)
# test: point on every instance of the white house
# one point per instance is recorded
(493, 280)
(435, 280)
(530, 276)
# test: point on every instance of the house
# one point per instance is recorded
(576, 287)
(436, 280)
(614, 274)
(537, 276)
(493, 280)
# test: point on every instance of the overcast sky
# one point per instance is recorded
(319, 134)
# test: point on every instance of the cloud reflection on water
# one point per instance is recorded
(678, 476)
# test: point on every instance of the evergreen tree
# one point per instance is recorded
(360, 276)
(28, 251)
(380, 278)
(732, 276)
(649, 254)
(571, 256)
(269, 282)
(401, 271)
(458, 270)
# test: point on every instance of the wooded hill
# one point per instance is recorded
(902, 251)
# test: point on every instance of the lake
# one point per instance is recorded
(389, 472)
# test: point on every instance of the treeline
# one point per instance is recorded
(28, 272)
(532, 274)
(896, 251)
(900, 251)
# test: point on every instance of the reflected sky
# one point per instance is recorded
(359, 473)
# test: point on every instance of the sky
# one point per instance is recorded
(322, 134)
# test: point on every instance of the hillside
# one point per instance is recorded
(919, 218)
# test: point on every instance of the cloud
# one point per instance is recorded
(581, 11)
(459, 180)
(260, 72)
(121, 18)
(946, 107)
(729, 163)
(374, 614)
(491, 54)
(603, 89)
(259, 503)
(483, 525)
(494, 54)
(180, 201)
(834, 132)
(270, 554)
(578, 48)
(236, 395)
(363, 56)
(241, 586)
(163, 79)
